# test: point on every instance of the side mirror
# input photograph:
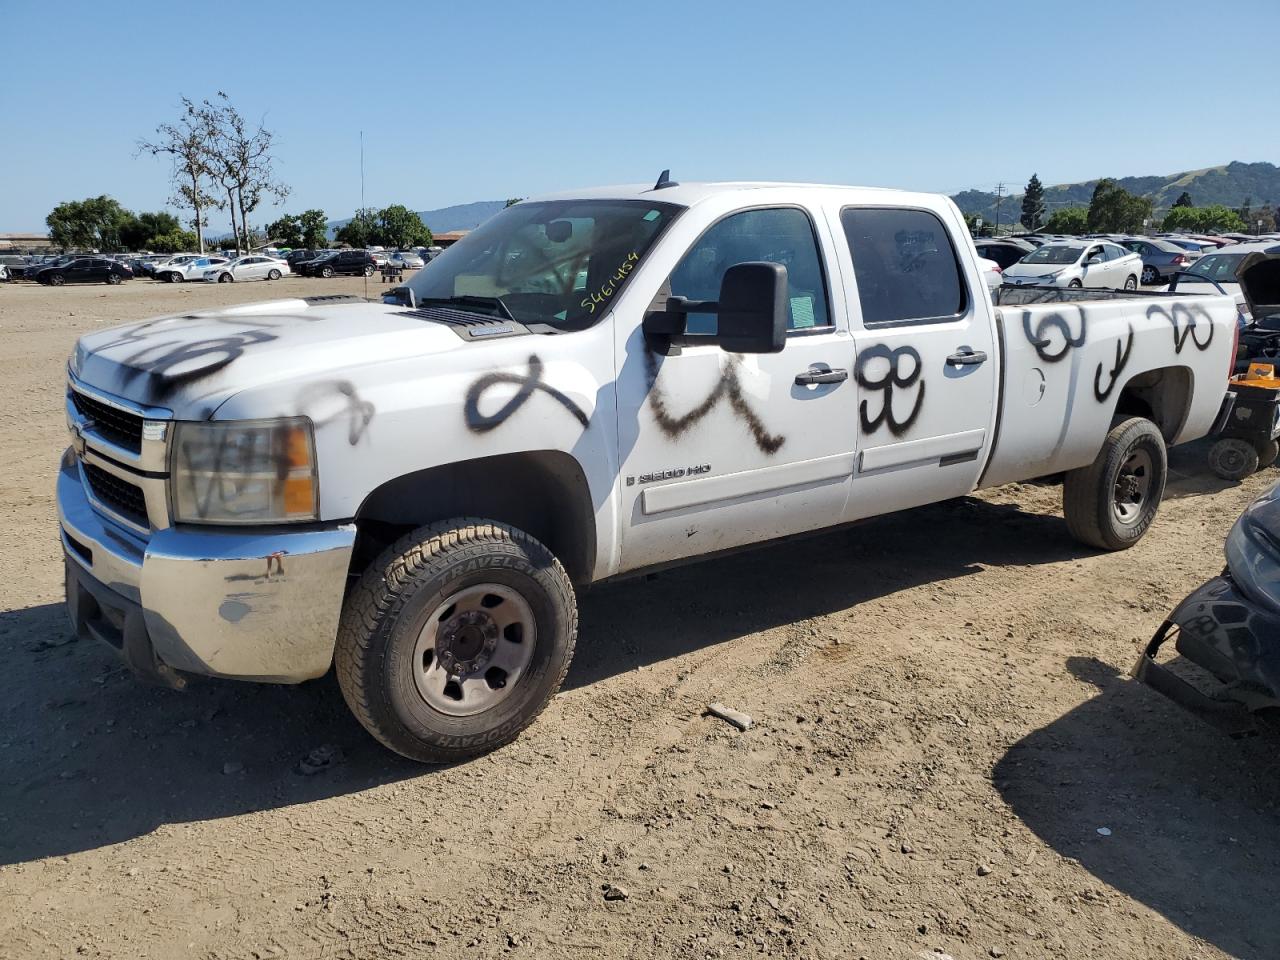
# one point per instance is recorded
(1093, 261)
(751, 314)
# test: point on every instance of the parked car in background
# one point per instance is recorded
(4, 272)
(15, 266)
(1077, 263)
(341, 262)
(1200, 247)
(295, 257)
(1160, 258)
(1004, 252)
(990, 273)
(84, 270)
(156, 265)
(1221, 270)
(406, 260)
(380, 257)
(188, 269)
(248, 268)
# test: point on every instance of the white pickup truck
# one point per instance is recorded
(587, 386)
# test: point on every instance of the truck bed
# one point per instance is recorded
(1074, 358)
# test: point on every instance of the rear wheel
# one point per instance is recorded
(1233, 459)
(455, 639)
(1111, 503)
(1267, 453)
(1149, 275)
(1131, 282)
(368, 271)
(273, 274)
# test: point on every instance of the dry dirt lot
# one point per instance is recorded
(942, 726)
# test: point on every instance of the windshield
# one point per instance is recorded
(555, 262)
(1220, 267)
(1051, 254)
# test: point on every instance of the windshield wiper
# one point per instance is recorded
(470, 300)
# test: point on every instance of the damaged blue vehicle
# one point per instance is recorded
(1228, 633)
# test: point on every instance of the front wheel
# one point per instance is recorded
(326, 272)
(1111, 503)
(455, 639)
(225, 278)
(1131, 282)
(368, 271)
(113, 278)
(172, 277)
(57, 279)
(1075, 284)
(273, 274)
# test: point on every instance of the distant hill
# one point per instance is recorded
(1230, 185)
(463, 216)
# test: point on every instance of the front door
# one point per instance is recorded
(718, 449)
(927, 360)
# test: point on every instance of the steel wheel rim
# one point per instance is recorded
(1132, 487)
(473, 650)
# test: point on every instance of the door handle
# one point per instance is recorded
(821, 373)
(967, 358)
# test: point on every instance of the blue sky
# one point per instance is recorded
(480, 101)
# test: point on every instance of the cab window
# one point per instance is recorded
(782, 235)
(905, 265)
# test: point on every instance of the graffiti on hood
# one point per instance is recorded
(1040, 339)
(893, 379)
(170, 364)
(478, 422)
(315, 398)
(1121, 361)
(727, 388)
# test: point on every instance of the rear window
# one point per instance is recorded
(905, 265)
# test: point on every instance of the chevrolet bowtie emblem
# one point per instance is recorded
(77, 436)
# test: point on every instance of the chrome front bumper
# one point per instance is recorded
(249, 603)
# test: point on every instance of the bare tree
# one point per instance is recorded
(186, 142)
(240, 157)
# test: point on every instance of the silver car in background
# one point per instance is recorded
(248, 268)
(406, 260)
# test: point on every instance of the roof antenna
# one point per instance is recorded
(664, 181)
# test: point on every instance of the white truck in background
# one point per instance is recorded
(587, 386)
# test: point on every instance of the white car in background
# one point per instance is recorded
(248, 268)
(406, 260)
(990, 273)
(1077, 263)
(187, 269)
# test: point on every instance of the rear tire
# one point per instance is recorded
(455, 638)
(1149, 276)
(273, 274)
(1267, 454)
(368, 271)
(1233, 459)
(1112, 502)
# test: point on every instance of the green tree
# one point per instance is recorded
(140, 232)
(314, 232)
(1033, 204)
(1184, 200)
(92, 224)
(358, 232)
(1115, 210)
(286, 231)
(398, 226)
(1211, 219)
(1071, 221)
(176, 241)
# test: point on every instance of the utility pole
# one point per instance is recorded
(999, 198)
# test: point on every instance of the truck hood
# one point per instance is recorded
(191, 363)
(1259, 278)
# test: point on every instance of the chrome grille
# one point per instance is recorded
(117, 495)
(118, 426)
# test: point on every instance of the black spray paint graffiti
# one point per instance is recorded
(1185, 320)
(168, 365)
(728, 387)
(1122, 360)
(359, 413)
(1044, 344)
(478, 422)
(893, 379)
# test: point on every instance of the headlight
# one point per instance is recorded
(1049, 277)
(244, 471)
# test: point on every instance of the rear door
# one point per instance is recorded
(927, 362)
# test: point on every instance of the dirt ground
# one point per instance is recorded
(942, 728)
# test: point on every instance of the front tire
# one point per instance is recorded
(225, 278)
(1075, 284)
(1112, 502)
(172, 277)
(1131, 282)
(113, 279)
(57, 280)
(455, 638)
(326, 272)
